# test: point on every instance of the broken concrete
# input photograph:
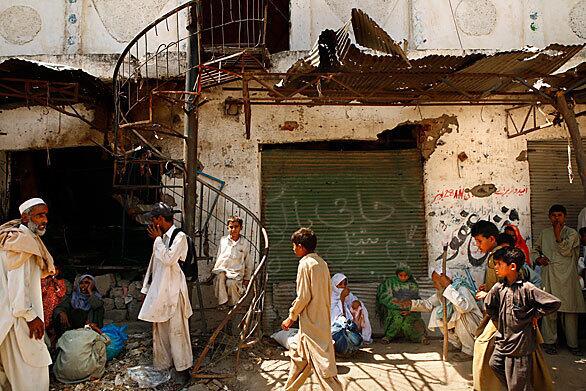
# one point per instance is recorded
(116, 315)
(430, 131)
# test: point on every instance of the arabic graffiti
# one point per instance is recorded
(465, 194)
(461, 238)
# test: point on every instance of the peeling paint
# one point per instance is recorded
(431, 131)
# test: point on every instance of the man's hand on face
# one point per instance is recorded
(36, 328)
(154, 231)
(287, 323)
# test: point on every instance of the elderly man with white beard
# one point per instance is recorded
(24, 260)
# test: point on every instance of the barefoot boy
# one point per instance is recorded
(515, 306)
(315, 350)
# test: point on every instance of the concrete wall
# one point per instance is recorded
(482, 24)
(453, 200)
(41, 127)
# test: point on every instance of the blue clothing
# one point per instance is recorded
(347, 338)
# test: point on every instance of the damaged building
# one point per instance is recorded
(388, 129)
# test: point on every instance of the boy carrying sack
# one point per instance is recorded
(516, 305)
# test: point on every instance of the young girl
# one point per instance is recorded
(399, 321)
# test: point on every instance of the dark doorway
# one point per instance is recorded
(85, 221)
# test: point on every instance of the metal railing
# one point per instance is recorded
(153, 66)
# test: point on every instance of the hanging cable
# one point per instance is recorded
(456, 27)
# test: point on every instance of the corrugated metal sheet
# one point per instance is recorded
(431, 78)
(548, 161)
(365, 206)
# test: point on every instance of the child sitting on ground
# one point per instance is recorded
(399, 321)
(515, 306)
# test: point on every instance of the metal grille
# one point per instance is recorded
(365, 207)
(548, 172)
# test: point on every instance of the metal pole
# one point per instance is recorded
(190, 127)
(190, 130)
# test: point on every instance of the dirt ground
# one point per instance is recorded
(397, 366)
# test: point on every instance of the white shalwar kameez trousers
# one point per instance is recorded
(167, 305)
(24, 260)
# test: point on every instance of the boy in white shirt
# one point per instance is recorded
(234, 265)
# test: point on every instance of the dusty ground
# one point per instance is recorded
(398, 366)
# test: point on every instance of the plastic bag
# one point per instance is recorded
(118, 338)
(148, 377)
(286, 339)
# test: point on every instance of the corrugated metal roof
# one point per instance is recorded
(386, 74)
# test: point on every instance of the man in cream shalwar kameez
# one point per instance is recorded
(166, 304)
(24, 260)
(560, 278)
(315, 350)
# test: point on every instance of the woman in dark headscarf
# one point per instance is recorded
(400, 321)
(83, 306)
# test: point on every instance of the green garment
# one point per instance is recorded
(560, 277)
(410, 326)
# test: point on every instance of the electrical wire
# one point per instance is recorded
(456, 27)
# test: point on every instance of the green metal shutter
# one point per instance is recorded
(366, 208)
(548, 172)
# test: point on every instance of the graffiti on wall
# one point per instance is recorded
(461, 240)
(465, 194)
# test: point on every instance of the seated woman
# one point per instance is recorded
(349, 318)
(83, 306)
(399, 321)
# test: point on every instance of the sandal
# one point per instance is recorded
(576, 351)
(549, 348)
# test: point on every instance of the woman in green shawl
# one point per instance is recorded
(399, 321)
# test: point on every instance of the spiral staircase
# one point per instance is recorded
(160, 76)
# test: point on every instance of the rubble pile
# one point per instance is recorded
(122, 298)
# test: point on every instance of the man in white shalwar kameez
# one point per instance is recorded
(233, 267)
(166, 304)
(24, 260)
(464, 315)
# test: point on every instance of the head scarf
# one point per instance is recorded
(79, 300)
(403, 267)
(520, 243)
(336, 292)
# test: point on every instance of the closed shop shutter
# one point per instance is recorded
(365, 206)
(548, 171)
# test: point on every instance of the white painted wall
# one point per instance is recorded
(429, 25)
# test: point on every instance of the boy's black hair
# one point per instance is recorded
(504, 238)
(235, 219)
(499, 254)
(558, 208)
(484, 228)
(514, 255)
(582, 231)
(305, 237)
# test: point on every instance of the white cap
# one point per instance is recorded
(438, 269)
(30, 203)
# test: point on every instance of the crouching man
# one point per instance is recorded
(233, 266)
(463, 315)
